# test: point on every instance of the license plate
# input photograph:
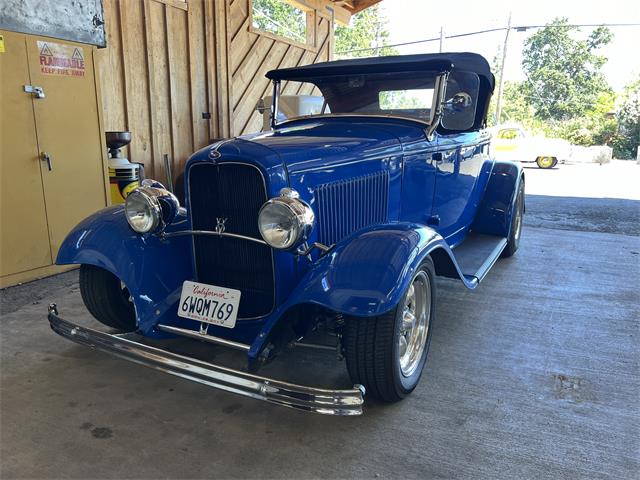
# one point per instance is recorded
(209, 304)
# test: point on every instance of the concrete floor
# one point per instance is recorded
(534, 375)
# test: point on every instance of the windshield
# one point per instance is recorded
(407, 95)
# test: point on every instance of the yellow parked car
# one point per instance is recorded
(512, 142)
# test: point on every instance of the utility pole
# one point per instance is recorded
(501, 82)
(377, 39)
(441, 38)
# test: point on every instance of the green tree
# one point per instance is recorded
(515, 106)
(367, 30)
(627, 137)
(596, 127)
(565, 78)
(280, 18)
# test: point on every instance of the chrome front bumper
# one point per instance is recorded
(328, 402)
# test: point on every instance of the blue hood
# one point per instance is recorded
(312, 143)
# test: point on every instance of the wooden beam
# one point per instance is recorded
(360, 5)
(355, 6)
(210, 55)
(341, 14)
(155, 148)
(181, 4)
(224, 83)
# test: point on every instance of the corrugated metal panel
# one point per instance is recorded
(349, 205)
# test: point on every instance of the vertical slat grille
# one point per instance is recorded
(235, 192)
(349, 205)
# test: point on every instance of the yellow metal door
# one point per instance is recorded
(68, 129)
(24, 240)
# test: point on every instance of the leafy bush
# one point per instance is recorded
(627, 138)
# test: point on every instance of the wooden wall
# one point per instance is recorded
(170, 63)
(252, 54)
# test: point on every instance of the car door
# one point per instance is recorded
(418, 182)
(462, 168)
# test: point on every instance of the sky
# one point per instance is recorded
(410, 20)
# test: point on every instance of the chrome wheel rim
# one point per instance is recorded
(416, 318)
(518, 218)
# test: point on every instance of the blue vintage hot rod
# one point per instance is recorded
(338, 219)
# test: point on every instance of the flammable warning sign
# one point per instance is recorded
(60, 59)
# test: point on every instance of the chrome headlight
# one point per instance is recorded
(286, 221)
(150, 209)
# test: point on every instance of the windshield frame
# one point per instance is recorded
(430, 126)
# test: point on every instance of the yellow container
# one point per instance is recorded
(124, 178)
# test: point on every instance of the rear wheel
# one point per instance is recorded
(546, 162)
(387, 353)
(515, 232)
(106, 298)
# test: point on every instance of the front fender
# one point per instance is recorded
(367, 273)
(152, 269)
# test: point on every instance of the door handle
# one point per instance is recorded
(37, 92)
(446, 156)
(45, 157)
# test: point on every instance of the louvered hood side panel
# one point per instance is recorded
(346, 206)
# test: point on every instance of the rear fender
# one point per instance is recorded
(496, 208)
(152, 269)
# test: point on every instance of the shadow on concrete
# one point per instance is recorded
(604, 215)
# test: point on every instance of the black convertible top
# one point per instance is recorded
(398, 63)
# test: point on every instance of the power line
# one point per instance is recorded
(519, 28)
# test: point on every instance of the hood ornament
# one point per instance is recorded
(220, 225)
(214, 154)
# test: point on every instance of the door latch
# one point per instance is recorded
(37, 92)
(45, 157)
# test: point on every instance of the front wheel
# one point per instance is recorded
(106, 298)
(387, 353)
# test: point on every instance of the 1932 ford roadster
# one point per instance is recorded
(340, 218)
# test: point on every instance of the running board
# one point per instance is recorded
(310, 399)
(477, 254)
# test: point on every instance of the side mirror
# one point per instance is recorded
(458, 102)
